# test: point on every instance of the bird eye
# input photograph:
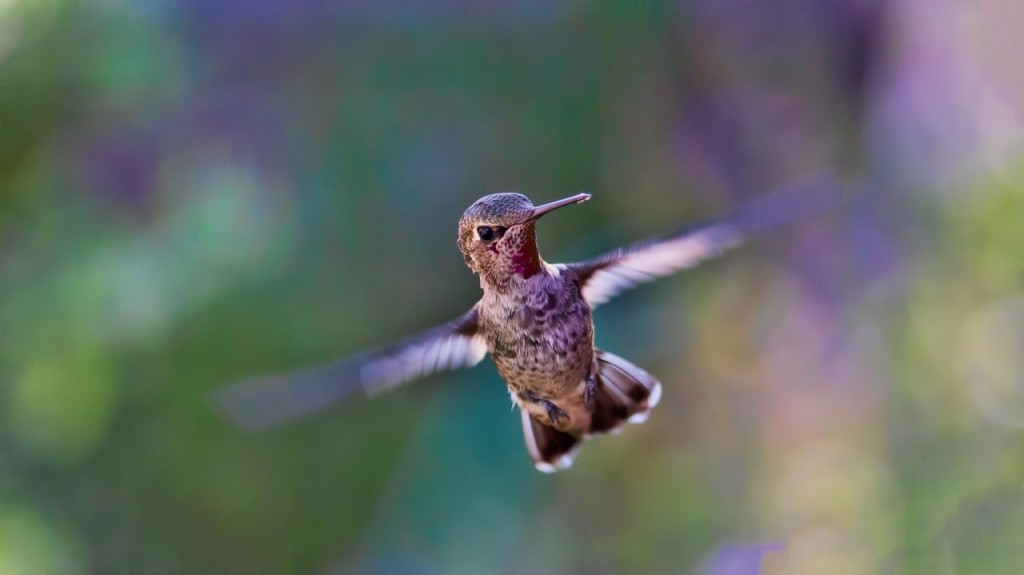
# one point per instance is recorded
(486, 233)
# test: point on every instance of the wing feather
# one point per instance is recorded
(266, 401)
(606, 276)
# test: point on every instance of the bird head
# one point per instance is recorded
(497, 235)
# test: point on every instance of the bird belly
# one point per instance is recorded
(543, 371)
(541, 340)
(550, 368)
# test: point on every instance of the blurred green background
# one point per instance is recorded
(196, 191)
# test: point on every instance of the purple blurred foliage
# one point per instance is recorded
(122, 162)
(118, 165)
(738, 559)
(247, 121)
(873, 236)
(921, 128)
(742, 139)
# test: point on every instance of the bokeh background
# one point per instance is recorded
(196, 191)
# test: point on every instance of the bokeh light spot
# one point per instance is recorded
(59, 413)
(991, 361)
(22, 20)
(28, 544)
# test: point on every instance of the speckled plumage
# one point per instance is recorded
(541, 340)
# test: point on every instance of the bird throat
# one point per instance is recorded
(526, 260)
(521, 252)
(520, 247)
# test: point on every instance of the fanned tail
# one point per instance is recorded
(549, 448)
(626, 393)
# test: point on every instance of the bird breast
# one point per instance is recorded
(541, 336)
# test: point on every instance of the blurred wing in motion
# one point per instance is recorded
(266, 401)
(604, 277)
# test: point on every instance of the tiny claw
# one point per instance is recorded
(590, 394)
(554, 412)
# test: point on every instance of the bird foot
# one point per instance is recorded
(590, 393)
(554, 412)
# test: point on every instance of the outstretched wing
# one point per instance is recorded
(266, 401)
(604, 277)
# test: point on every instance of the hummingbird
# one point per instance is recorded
(534, 320)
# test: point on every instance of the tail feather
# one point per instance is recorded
(549, 448)
(626, 393)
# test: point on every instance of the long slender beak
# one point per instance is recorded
(550, 206)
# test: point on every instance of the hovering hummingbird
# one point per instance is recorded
(534, 320)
